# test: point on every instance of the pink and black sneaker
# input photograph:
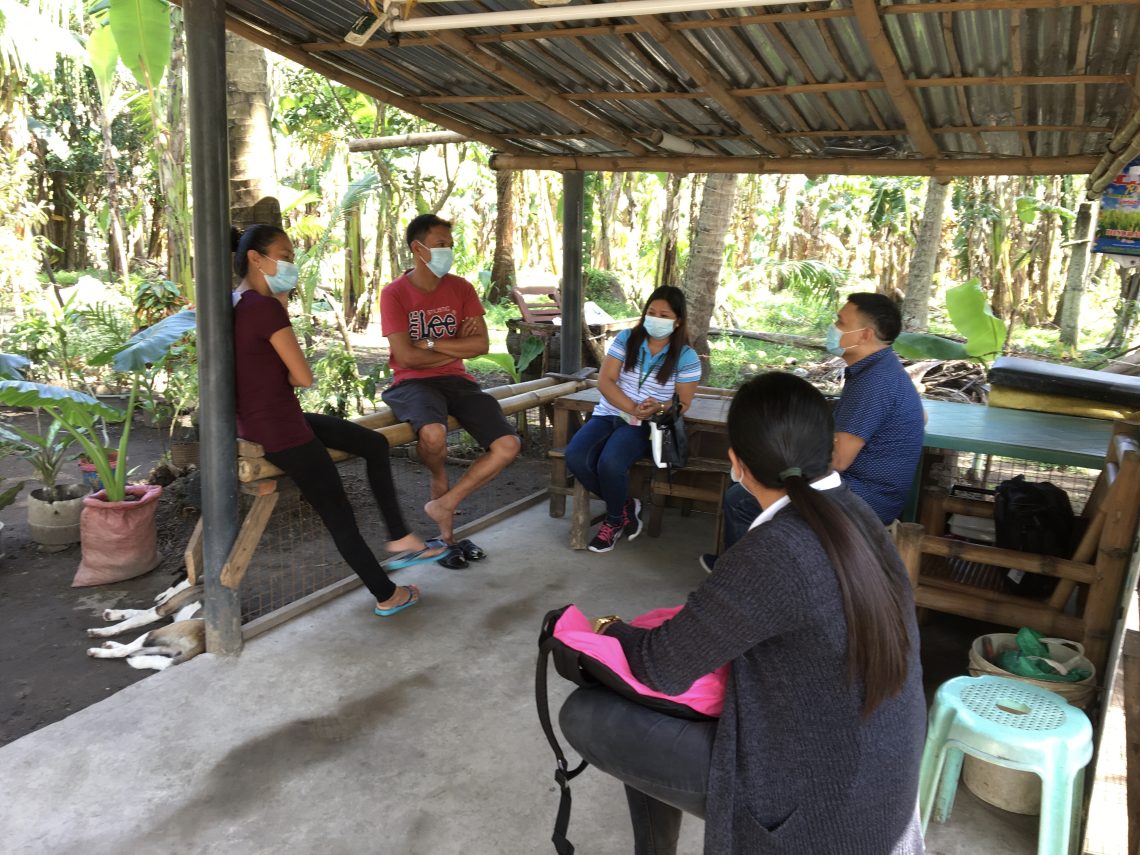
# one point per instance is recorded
(631, 518)
(607, 537)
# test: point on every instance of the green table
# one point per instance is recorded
(1019, 434)
(1040, 437)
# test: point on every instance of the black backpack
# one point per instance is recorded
(1033, 517)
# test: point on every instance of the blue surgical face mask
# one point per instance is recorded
(285, 279)
(441, 259)
(659, 327)
(831, 342)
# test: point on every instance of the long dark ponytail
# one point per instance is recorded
(781, 428)
(675, 297)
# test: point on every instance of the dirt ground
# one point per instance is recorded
(45, 674)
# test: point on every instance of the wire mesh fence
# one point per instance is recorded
(983, 472)
(296, 556)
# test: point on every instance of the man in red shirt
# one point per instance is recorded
(433, 320)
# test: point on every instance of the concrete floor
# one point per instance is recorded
(341, 732)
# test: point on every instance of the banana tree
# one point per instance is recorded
(78, 412)
(971, 315)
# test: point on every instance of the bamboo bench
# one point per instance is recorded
(260, 479)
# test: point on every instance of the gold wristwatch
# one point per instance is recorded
(601, 623)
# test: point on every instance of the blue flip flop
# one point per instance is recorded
(411, 559)
(413, 598)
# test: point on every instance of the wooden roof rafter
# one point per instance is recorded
(554, 101)
(778, 90)
(279, 45)
(883, 55)
(694, 66)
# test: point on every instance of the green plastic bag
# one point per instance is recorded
(1029, 660)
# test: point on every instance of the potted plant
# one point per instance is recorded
(117, 528)
(54, 508)
(7, 496)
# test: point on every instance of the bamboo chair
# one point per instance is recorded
(1097, 569)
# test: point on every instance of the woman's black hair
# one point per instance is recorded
(781, 428)
(675, 297)
(258, 238)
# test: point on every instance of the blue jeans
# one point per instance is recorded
(662, 760)
(600, 456)
(740, 511)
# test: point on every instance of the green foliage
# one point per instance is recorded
(971, 316)
(815, 282)
(9, 495)
(142, 37)
(12, 366)
(602, 285)
(155, 299)
(970, 312)
(336, 388)
(530, 348)
(45, 453)
(927, 346)
(77, 413)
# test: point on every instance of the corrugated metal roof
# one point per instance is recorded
(804, 76)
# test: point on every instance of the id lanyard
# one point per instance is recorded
(655, 362)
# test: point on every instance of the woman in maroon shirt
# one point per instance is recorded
(269, 365)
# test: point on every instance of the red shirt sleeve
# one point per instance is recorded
(393, 314)
(472, 306)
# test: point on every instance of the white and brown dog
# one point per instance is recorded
(160, 648)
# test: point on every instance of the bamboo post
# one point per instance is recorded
(908, 539)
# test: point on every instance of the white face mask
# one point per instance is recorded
(734, 475)
(659, 327)
(441, 260)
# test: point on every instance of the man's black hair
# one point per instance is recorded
(419, 227)
(881, 311)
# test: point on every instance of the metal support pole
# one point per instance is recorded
(209, 170)
(573, 192)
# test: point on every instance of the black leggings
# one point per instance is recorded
(316, 476)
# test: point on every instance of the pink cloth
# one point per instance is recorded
(706, 695)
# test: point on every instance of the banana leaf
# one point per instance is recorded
(142, 34)
(970, 312)
(150, 346)
(12, 366)
(927, 346)
(74, 407)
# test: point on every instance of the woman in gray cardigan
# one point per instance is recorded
(818, 749)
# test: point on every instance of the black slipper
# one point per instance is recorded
(453, 559)
(470, 551)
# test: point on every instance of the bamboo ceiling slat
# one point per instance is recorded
(811, 166)
(871, 26)
(803, 88)
(1018, 89)
(1080, 63)
(956, 67)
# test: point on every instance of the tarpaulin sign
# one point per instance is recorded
(1118, 224)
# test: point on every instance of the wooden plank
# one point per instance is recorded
(1045, 565)
(969, 604)
(252, 527)
(193, 554)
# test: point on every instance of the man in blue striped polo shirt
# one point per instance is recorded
(879, 421)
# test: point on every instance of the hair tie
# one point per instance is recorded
(789, 473)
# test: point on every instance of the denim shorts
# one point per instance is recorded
(430, 400)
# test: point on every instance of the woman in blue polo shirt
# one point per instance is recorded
(643, 368)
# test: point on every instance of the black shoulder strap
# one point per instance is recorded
(562, 773)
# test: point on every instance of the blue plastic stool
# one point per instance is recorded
(1011, 724)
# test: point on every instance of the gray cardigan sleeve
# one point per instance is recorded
(757, 592)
